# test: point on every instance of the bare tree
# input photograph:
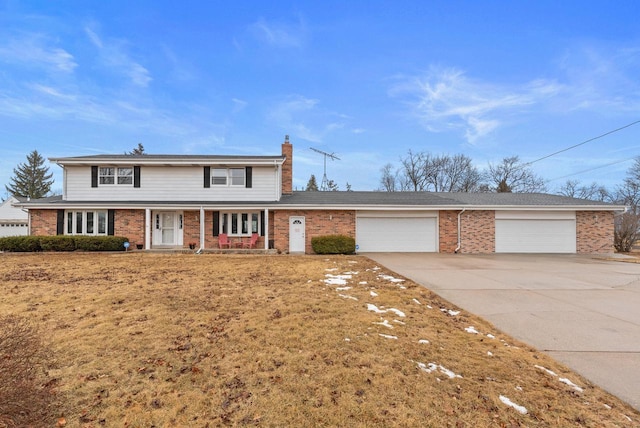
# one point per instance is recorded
(511, 176)
(438, 173)
(594, 191)
(627, 225)
(413, 172)
(388, 179)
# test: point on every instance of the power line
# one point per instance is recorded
(584, 142)
(592, 169)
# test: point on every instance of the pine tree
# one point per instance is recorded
(31, 179)
(312, 184)
(137, 151)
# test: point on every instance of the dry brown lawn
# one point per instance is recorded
(182, 340)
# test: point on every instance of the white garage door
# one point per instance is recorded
(535, 232)
(398, 233)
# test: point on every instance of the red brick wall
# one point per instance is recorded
(317, 223)
(594, 232)
(130, 224)
(448, 231)
(287, 169)
(43, 222)
(478, 232)
(191, 228)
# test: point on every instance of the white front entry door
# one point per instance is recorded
(296, 235)
(168, 228)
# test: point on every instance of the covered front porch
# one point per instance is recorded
(183, 228)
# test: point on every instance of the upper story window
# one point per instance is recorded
(115, 175)
(228, 176)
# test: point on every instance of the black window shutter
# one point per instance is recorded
(136, 176)
(94, 176)
(60, 223)
(207, 176)
(216, 223)
(111, 220)
(248, 172)
(261, 223)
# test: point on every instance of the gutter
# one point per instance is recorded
(459, 240)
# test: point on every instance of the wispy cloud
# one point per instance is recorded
(36, 50)
(601, 77)
(445, 98)
(278, 34)
(302, 117)
(114, 56)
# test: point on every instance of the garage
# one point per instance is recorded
(535, 232)
(397, 232)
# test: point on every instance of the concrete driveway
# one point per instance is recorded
(580, 310)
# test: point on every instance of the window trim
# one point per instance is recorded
(76, 222)
(230, 180)
(250, 219)
(119, 173)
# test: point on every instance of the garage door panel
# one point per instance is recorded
(535, 236)
(396, 234)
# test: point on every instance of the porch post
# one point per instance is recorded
(202, 232)
(266, 228)
(147, 229)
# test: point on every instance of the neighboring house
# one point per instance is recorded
(171, 201)
(13, 221)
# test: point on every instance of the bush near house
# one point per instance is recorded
(333, 244)
(62, 243)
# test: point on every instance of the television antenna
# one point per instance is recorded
(325, 182)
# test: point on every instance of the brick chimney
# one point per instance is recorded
(287, 167)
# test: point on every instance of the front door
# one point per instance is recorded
(296, 235)
(168, 228)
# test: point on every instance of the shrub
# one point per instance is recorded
(20, 243)
(62, 243)
(57, 243)
(333, 244)
(27, 397)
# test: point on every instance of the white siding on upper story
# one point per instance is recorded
(171, 183)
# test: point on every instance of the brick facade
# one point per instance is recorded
(594, 229)
(594, 232)
(478, 232)
(130, 224)
(447, 231)
(43, 222)
(317, 223)
(287, 168)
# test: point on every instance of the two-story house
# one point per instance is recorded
(171, 201)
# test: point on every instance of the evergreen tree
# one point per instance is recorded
(312, 184)
(137, 151)
(31, 179)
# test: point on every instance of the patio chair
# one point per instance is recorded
(252, 242)
(223, 241)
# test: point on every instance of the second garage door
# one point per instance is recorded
(535, 232)
(397, 233)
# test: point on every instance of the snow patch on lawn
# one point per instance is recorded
(520, 409)
(433, 367)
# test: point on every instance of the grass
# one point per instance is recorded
(177, 340)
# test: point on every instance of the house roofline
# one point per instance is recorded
(274, 205)
(168, 160)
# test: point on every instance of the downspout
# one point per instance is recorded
(459, 238)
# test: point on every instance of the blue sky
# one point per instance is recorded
(366, 80)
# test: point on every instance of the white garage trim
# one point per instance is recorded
(535, 232)
(397, 232)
